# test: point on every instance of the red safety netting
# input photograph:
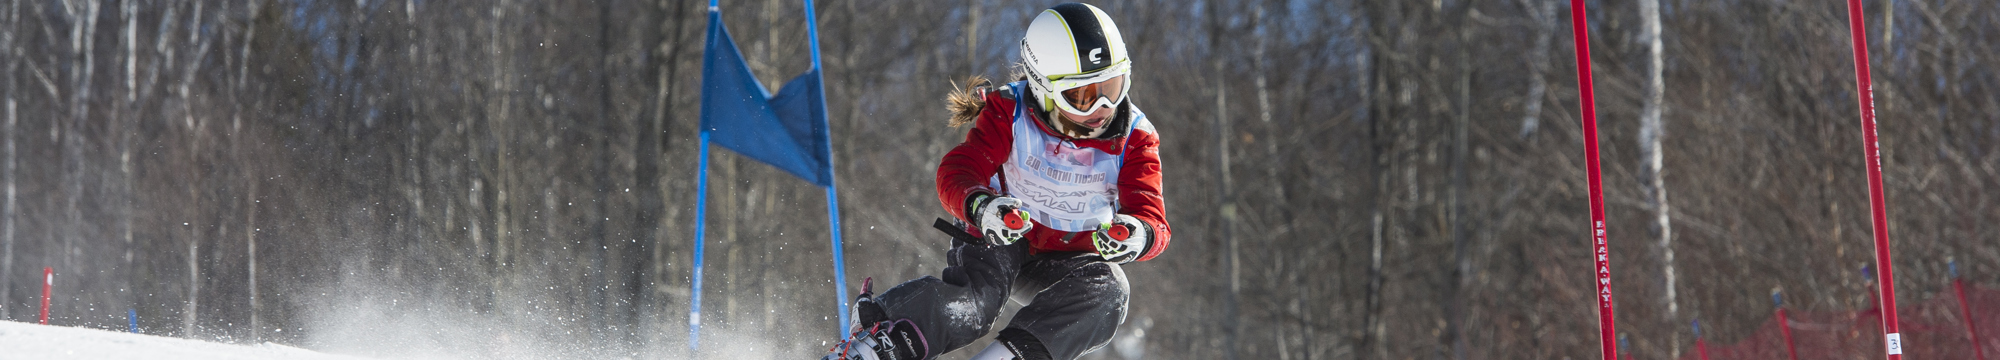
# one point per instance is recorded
(1932, 329)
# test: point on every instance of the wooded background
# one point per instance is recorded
(1347, 179)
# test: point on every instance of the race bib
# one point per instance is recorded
(1066, 187)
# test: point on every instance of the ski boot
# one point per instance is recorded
(873, 336)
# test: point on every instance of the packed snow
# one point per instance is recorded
(31, 341)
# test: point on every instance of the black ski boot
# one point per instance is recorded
(873, 336)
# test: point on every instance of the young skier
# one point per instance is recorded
(1060, 180)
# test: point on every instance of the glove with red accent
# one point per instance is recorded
(1000, 219)
(1121, 240)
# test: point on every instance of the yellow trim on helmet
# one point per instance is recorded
(1069, 35)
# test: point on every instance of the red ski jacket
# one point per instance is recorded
(974, 166)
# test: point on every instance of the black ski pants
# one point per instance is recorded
(1078, 300)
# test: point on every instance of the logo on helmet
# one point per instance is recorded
(1093, 55)
(1028, 52)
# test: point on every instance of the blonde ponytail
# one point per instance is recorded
(966, 102)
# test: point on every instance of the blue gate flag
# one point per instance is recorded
(787, 131)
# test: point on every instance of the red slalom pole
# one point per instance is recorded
(48, 283)
(1971, 333)
(1602, 251)
(1858, 31)
(1700, 344)
(1785, 327)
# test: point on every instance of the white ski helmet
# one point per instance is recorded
(1075, 59)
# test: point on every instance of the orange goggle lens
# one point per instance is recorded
(1085, 98)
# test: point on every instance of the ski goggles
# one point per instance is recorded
(1084, 93)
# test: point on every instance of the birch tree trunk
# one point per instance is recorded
(1542, 12)
(7, 223)
(128, 124)
(500, 133)
(1372, 331)
(1650, 158)
(652, 143)
(82, 42)
(250, 175)
(639, 273)
(194, 280)
(972, 37)
(195, 128)
(1455, 297)
(1231, 310)
(601, 184)
(250, 251)
(8, 43)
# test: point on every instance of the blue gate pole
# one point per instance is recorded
(832, 195)
(700, 212)
(839, 265)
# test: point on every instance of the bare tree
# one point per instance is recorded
(7, 211)
(7, 234)
(1541, 13)
(1650, 159)
(1373, 334)
(251, 174)
(600, 281)
(125, 127)
(195, 127)
(1232, 307)
(1461, 270)
(82, 45)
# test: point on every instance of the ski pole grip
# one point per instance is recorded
(1120, 232)
(1014, 218)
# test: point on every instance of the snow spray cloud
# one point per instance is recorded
(375, 316)
(365, 316)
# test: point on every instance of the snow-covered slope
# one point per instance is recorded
(31, 341)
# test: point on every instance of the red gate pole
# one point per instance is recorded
(48, 283)
(1785, 326)
(1607, 330)
(1965, 308)
(1624, 343)
(1700, 344)
(1891, 334)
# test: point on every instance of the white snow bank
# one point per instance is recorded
(30, 341)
